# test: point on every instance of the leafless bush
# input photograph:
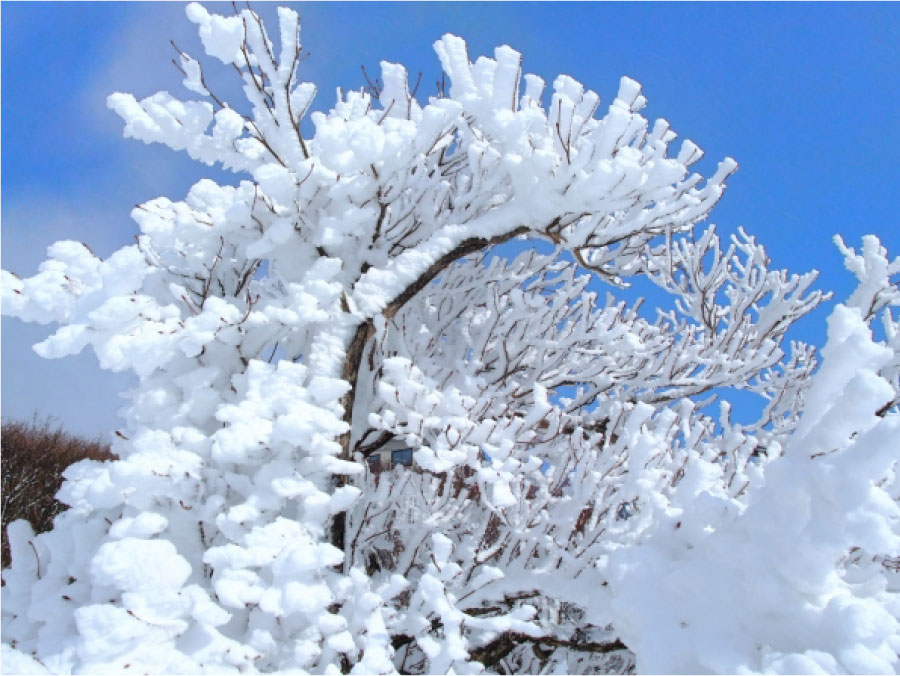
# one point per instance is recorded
(34, 456)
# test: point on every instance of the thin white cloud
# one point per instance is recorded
(73, 391)
(34, 221)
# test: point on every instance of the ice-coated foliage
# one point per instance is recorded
(573, 504)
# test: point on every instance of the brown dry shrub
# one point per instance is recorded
(34, 455)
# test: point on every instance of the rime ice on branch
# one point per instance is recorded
(573, 506)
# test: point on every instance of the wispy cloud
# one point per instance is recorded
(74, 390)
(34, 221)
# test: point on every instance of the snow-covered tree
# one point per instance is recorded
(576, 504)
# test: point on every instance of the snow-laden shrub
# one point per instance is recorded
(574, 506)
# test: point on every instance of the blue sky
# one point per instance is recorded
(806, 96)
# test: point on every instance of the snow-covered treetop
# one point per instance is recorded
(390, 186)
